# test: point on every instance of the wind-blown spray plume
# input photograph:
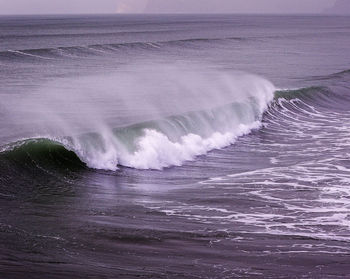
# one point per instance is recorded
(151, 116)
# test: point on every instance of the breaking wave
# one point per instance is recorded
(151, 145)
(204, 115)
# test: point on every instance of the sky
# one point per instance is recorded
(239, 6)
(163, 6)
(340, 7)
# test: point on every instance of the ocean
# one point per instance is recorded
(174, 146)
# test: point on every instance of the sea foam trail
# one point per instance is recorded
(177, 114)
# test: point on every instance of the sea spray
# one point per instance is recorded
(149, 116)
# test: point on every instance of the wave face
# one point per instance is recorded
(190, 115)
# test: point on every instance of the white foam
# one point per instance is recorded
(156, 151)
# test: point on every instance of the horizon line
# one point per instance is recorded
(178, 13)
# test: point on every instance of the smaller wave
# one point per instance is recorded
(341, 73)
(100, 49)
(333, 76)
(335, 97)
(302, 93)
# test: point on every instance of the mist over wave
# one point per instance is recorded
(146, 116)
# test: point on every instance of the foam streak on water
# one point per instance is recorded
(304, 197)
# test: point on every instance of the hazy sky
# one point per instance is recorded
(162, 6)
(239, 6)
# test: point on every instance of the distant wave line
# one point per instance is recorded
(113, 46)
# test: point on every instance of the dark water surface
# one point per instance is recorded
(174, 146)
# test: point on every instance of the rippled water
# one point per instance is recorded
(174, 147)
